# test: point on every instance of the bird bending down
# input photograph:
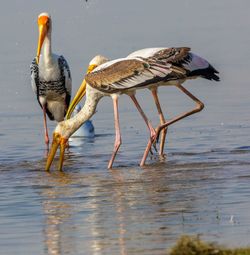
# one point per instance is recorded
(50, 76)
(90, 104)
(195, 67)
(87, 129)
(163, 66)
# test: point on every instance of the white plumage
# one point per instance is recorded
(86, 129)
(50, 76)
(148, 68)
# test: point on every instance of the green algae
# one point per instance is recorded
(187, 245)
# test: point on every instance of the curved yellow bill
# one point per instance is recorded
(57, 140)
(79, 94)
(63, 145)
(43, 29)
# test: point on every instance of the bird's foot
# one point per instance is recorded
(162, 156)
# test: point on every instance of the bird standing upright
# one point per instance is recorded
(50, 76)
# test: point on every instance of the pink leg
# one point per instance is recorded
(198, 108)
(118, 140)
(149, 125)
(162, 120)
(46, 135)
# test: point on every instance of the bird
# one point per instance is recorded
(50, 76)
(93, 95)
(194, 65)
(87, 129)
(163, 66)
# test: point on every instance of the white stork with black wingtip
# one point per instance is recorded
(50, 76)
(194, 65)
(167, 66)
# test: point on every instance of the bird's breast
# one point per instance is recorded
(49, 73)
(51, 81)
(52, 88)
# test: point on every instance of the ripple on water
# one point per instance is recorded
(86, 204)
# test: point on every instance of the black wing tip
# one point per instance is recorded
(209, 73)
(213, 77)
(213, 73)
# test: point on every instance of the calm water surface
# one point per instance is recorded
(203, 185)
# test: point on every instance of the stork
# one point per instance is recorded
(50, 76)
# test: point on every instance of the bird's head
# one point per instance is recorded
(44, 26)
(95, 62)
(60, 139)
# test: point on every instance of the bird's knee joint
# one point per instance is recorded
(118, 144)
(200, 106)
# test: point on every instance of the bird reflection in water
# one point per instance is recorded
(59, 214)
(98, 212)
(75, 214)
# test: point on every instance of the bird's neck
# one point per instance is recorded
(89, 108)
(47, 51)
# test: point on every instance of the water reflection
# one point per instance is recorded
(132, 210)
(57, 213)
(107, 212)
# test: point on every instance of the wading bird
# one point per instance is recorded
(163, 66)
(87, 129)
(195, 67)
(50, 76)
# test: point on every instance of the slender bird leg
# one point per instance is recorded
(118, 140)
(198, 108)
(162, 121)
(46, 135)
(149, 125)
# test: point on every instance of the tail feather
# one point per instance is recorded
(209, 73)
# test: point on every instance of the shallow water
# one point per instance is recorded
(203, 185)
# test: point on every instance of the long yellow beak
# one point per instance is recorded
(57, 140)
(42, 33)
(79, 94)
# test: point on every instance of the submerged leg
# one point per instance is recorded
(118, 140)
(198, 108)
(162, 120)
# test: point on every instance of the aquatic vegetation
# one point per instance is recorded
(187, 245)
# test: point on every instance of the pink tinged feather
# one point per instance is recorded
(159, 71)
(196, 63)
